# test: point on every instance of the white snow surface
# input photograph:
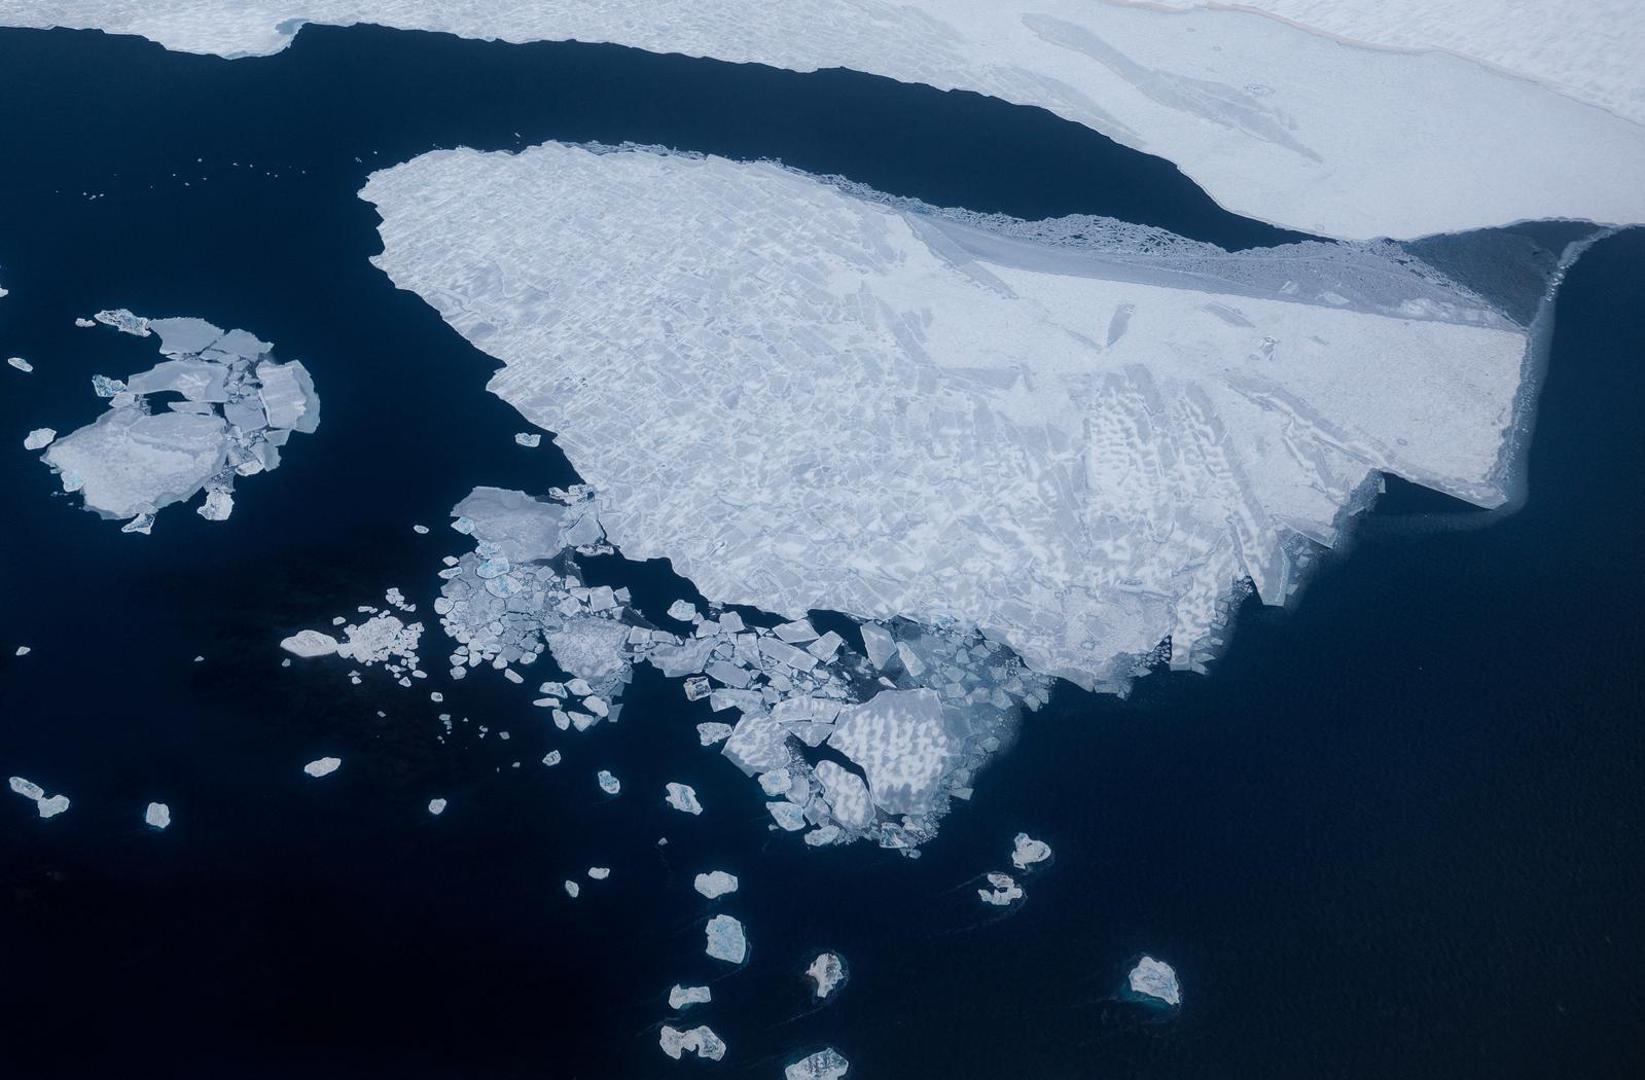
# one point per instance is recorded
(1285, 110)
(809, 398)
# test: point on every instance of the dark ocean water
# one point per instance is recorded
(1395, 833)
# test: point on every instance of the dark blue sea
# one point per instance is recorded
(1395, 832)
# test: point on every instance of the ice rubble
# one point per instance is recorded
(47, 806)
(917, 724)
(827, 971)
(1285, 119)
(1155, 979)
(825, 1064)
(699, 1040)
(236, 408)
(1079, 437)
(726, 940)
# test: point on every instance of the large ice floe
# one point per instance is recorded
(234, 407)
(1078, 438)
(1290, 111)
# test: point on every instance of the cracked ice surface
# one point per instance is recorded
(1275, 117)
(1078, 436)
(237, 409)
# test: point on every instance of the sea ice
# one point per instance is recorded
(699, 1040)
(726, 940)
(975, 455)
(572, 888)
(1027, 851)
(828, 972)
(681, 996)
(322, 766)
(528, 439)
(609, 783)
(157, 815)
(1156, 979)
(1284, 110)
(20, 364)
(39, 438)
(825, 1064)
(436, 807)
(684, 799)
(47, 806)
(715, 884)
(309, 643)
(599, 873)
(1002, 890)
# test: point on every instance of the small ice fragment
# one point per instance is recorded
(1002, 892)
(683, 610)
(50, 808)
(572, 888)
(711, 732)
(828, 972)
(608, 783)
(20, 364)
(529, 439)
(420, 530)
(683, 798)
(28, 789)
(700, 1040)
(1156, 979)
(23, 650)
(599, 873)
(39, 438)
(436, 807)
(825, 1064)
(877, 643)
(1029, 851)
(84, 323)
(46, 807)
(681, 996)
(579, 687)
(697, 688)
(322, 766)
(790, 817)
(726, 940)
(218, 506)
(307, 643)
(551, 758)
(715, 884)
(158, 815)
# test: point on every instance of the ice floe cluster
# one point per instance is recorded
(1292, 119)
(382, 637)
(1081, 438)
(219, 407)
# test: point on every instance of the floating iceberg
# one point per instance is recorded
(322, 766)
(827, 971)
(436, 807)
(1002, 890)
(681, 996)
(699, 1040)
(237, 409)
(726, 940)
(157, 815)
(715, 884)
(308, 643)
(1079, 437)
(39, 438)
(1026, 851)
(47, 806)
(1155, 979)
(825, 1064)
(20, 364)
(1279, 113)
(684, 799)
(609, 783)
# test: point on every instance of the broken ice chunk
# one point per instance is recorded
(436, 807)
(797, 631)
(726, 940)
(599, 873)
(308, 643)
(1028, 851)
(157, 815)
(1002, 891)
(39, 438)
(288, 396)
(699, 1040)
(219, 504)
(551, 758)
(322, 766)
(20, 364)
(828, 972)
(529, 439)
(681, 996)
(877, 643)
(825, 1064)
(710, 733)
(683, 798)
(715, 883)
(683, 610)
(46, 807)
(572, 888)
(788, 816)
(1156, 979)
(608, 783)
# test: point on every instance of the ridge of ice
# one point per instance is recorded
(1288, 113)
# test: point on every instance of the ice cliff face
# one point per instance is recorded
(1273, 116)
(1077, 437)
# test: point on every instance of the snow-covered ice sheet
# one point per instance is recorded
(1080, 437)
(1275, 120)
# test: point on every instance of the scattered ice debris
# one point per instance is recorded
(726, 940)
(681, 996)
(699, 1040)
(715, 884)
(237, 409)
(551, 758)
(572, 888)
(20, 364)
(828, 972)
(322, 766)
(39, 438)
(1027, 851)
(46, 806)
(608, 783)
(157, 816)
(599, 873)
(1002, 890)
(436, 807)
(683, 798)
(308, 643)
(825, 1064)
(1156, 979)
(528, 439)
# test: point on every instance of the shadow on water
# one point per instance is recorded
(1396, 832)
